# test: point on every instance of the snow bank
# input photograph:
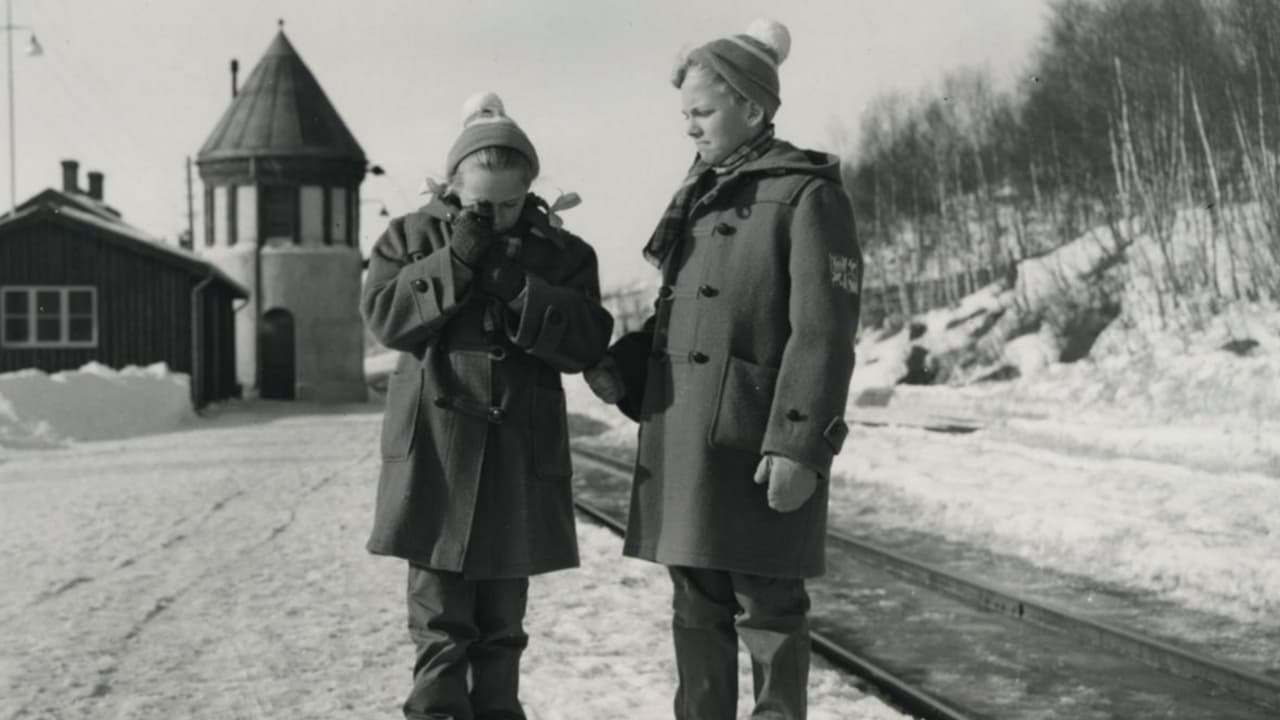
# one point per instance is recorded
(92, 403)
(1220, 376)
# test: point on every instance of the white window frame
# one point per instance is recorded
(64, 312)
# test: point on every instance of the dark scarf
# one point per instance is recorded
(700, 179)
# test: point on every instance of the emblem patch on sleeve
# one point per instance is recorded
(846, 273)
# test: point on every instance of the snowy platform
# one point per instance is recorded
(219, 571)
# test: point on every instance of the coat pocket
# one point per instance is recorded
(400, 418)
(550, 435)
(742, 409)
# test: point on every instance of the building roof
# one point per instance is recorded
(55, 206)
(63, 198)
(281, 111)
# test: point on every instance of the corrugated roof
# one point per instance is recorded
(281, 110)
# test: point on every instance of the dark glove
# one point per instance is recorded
(472, 237)
(500, 277)
(631, 354)
(605, 380)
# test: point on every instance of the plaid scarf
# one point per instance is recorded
(700, 179)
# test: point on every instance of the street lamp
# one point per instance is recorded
(33, 50)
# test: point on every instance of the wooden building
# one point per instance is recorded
(78, 284)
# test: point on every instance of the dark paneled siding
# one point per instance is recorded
(144, 305)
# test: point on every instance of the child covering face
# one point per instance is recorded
(489, 303)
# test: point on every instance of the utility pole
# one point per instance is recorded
(34, 50)
(191, 211)
(13, 161)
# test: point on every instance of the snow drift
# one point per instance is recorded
(93, 403)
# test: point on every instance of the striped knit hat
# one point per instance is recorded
(485, 124)
(748, 62)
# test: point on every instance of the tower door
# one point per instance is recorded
(276, 353)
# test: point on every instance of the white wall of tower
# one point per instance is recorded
(316, 278)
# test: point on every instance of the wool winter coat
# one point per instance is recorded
(750, 352)
(475, 471)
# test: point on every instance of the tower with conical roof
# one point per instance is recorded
(282, 176)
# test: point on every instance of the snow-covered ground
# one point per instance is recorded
(218, 571)
(1155, 467)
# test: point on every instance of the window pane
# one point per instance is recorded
(338, 216)
(16, 302)
(49, 329)
(279, 210)
(80, 302)
(219, 208)
(48, 302)
(80, 329)
(16, 330)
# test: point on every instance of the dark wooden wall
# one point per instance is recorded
(216, 378)
(144, 304)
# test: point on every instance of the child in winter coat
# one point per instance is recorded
(739, 382)
(489, 303)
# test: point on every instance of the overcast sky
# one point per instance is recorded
(133, 87)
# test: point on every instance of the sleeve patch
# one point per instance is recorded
(835, 433)
(846, 273)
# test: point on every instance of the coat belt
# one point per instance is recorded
(495, 414)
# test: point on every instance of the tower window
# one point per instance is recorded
(279, 212)
(209, 216)
(231, 215)
(338, 226)
(220, 210)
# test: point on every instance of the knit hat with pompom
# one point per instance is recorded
(749, 61)
(485, 124)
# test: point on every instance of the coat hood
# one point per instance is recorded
(785, 158)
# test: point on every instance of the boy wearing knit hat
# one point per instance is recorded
(489, 302)
(739, 382)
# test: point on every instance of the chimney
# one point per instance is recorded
(95, 184)
(70, 168)
(235, 70)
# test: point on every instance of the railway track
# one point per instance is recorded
(937, 644)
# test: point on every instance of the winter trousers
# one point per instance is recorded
(712, 609)
(462, 625)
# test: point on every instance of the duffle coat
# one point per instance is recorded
(476, 473)
(750, 351)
